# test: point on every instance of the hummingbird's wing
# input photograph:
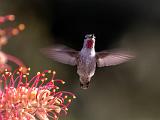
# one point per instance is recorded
(105, 58)
(62, 54)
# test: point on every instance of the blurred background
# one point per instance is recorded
(130, 91)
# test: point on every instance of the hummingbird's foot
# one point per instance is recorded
(84, 85)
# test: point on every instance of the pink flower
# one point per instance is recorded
(5, 34)
(24, 99)
(4, 58)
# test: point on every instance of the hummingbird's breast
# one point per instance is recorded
(86, 65)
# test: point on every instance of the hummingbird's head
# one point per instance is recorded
(89, 41)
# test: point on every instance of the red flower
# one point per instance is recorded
(24, 99)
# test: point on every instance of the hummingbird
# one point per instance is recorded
(87, 59)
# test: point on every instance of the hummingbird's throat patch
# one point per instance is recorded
(89, 44)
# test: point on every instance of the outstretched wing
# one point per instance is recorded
(62, 54)
(112, 58)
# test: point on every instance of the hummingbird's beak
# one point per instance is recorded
(84, 85)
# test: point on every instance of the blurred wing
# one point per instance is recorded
(62, 54)
(112, 58)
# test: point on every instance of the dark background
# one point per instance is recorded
(129, 91)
